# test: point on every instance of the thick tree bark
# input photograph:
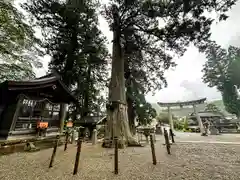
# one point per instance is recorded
(117, 117)
(85, 110)
(128, 84)
(131, 116)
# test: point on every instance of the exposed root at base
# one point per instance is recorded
(110, 144)
(121, 144)
(204, 134)
(133, 143)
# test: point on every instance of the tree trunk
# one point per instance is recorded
(131, 116)
(85, 110)
(128, 85)
(117, 117)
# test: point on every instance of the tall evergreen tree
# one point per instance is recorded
(220, 72)
(185, 22)
(234, 69)
(76, 45)
(138, 85)
(18, 46)
(216, 69)
(231, 98)
(138, 108)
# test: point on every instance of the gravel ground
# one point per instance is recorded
(188, 161)
(211, 138)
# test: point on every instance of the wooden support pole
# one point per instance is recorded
(167, 141)
(170, 118)
(172, 135)
(63, 113)
(66, 141)
(153, 150)
(200, 124)
(79, 146)
(116, 155)
(54, 151)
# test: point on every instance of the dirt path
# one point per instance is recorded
(188, 161)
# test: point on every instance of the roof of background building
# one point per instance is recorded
(50, 87)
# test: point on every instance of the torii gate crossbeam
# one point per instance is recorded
(181, 104)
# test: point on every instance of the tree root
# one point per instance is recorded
(121, 143)
(133, 143)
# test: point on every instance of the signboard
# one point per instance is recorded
(69, 124)
(42, 125)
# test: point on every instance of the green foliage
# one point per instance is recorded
(185, 125)
(220, 72)
(73, 40)
(210, 107)
(77, 48)
(231, 98)
(137, 103)
(145, 113)
(230, 92)
(216, 69)
(163, 118)
(18, 72)
(147, 42)
(178, 125)
(18, 46)
(234, 70)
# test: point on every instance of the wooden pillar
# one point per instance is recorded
(170, 118)
(16, 114)
(63, 113)
(198, 119)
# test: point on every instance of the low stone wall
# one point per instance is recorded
(19, 145)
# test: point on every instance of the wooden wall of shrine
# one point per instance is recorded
(22, 105)
(6, 118)
(31, 110)
(21, 117)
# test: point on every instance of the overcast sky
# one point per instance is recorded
(184, 83)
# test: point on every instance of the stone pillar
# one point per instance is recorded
(199, 120)
(147, 140)
(170, 118)
(75, 135)
(154, 136)
(94, 137)
(138, 135)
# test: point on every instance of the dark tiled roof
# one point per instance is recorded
(40, 84)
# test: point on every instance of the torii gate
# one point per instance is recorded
(181, 104)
